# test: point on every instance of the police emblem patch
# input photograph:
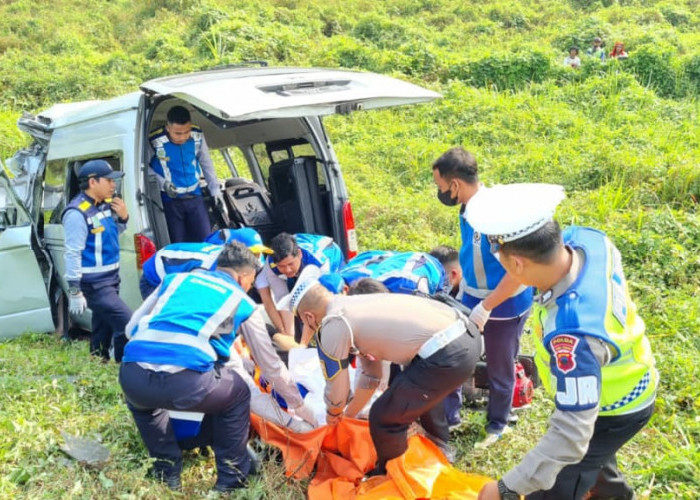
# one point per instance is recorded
(477, 236)
(564, 347)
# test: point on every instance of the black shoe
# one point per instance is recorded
(170, 479)
(229, 487)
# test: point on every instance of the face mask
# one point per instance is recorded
(446, 198)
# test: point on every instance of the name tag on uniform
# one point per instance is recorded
(97, 230)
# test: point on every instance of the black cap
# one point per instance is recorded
(98, 168)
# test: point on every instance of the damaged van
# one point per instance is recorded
(264, 128)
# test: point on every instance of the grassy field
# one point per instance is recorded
(622, 137)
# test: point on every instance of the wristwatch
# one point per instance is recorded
(73, 290)
(506, 493)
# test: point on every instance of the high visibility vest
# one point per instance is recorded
(362, 264)
(404, 272)
(193, 322)
(318, 250)
(180, 258)
(178, 163)
(101, 253)
(481, 273)
(596, 305)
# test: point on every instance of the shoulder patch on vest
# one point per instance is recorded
(84, 206)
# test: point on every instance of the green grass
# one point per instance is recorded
(623, 138)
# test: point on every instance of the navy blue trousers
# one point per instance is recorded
(501, 342)
(187, 218)
(109, 317)
(221, 394)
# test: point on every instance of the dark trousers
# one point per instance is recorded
(109, 317)
(187, 218)
(417, 393)
(145, 287)
(501, 342)
(221, 394)
(597, 472)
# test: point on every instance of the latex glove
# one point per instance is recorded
(305, 413)
(170, 189)
(219, 200)
(480, 315)
(77, 303)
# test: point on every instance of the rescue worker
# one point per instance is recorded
(400, 272)
(180, 340)
(429, 339)
(449, 258)
(291, 254)
(182, 165)
(184, 257)
(591, 350)
(499, 304)
(92, 222)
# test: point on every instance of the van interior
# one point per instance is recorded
(271, 175)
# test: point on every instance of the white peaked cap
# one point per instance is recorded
(307, 279)
(507, 212)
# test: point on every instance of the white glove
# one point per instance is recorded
(170, 189)
(479, 315)
(77, 303)
(305, 413)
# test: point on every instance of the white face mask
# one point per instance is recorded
(497, 256)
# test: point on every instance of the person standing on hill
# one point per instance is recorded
(618, 51)
(499, 304)
(92, 256)
(182, 165)
(591, 350)
(596, 50)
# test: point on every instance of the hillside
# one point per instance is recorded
(623, 138)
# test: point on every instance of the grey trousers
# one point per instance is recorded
(597, 472)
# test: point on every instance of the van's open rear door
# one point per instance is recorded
(24, 269)
(240, 94)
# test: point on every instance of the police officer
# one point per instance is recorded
(184, 257)
(92, 256)
(291, 254)
(180, 339)
(425, 336)
(499, 304)
(400, 272)
(183, 166)
(591, 350)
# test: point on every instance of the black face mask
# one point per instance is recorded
(446, 198)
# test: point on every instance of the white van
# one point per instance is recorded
(266, 125)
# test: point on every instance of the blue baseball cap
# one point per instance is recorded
(98, 168)
(250, 238)
(333, 282)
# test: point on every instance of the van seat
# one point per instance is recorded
(249, 206)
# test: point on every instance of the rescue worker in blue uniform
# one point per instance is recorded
(592, 353)
(182, 165)
(92, 222)
(400, 272)
(184, 257)
(499, 304)
(291, 253)
(180, 340)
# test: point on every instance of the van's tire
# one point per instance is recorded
(63, 324)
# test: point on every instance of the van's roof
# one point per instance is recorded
(73, 112)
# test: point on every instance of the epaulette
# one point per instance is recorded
(84, 205)
(156, 133)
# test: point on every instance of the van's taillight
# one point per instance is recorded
(145, 249)
(350, 234)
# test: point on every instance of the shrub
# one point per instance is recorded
(652, 67)
(510, 70)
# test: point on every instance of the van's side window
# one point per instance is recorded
(10, 214)
(260, 151)
(54, 191)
